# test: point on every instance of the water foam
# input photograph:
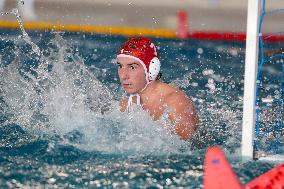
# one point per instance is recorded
(61, 97)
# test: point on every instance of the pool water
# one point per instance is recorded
(60, 126)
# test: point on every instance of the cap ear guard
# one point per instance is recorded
(154, 68)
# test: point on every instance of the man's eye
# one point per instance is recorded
(132, 67)
(119, 66)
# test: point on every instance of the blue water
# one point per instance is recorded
(60, 126)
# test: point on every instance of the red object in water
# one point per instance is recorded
(218, 174)
(182, 24)
(273, 179)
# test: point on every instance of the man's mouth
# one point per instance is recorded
(126, 85)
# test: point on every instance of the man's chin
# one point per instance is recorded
(130, 91)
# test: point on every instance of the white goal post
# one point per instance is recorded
(251, 66)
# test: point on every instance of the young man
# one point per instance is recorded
(138, 71)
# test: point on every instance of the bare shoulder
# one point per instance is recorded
(177, 98)
(182, 113)
(123, 104)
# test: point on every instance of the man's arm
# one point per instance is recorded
(182, 114)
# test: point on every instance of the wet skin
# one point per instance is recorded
(157, 96)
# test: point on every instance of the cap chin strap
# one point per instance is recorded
(138, 98)
(130, 101)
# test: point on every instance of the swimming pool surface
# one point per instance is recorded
(60, 126)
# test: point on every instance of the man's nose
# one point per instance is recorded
(123, 74)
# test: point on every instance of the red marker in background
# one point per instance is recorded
(182, 29)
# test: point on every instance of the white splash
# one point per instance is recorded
(61, 97)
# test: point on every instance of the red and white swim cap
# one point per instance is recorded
(144, 51)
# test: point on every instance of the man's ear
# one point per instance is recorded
(154, 68)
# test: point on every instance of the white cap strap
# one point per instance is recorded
(130, 102)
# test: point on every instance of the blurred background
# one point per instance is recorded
(201, 15)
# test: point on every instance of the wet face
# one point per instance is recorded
(131, 74)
